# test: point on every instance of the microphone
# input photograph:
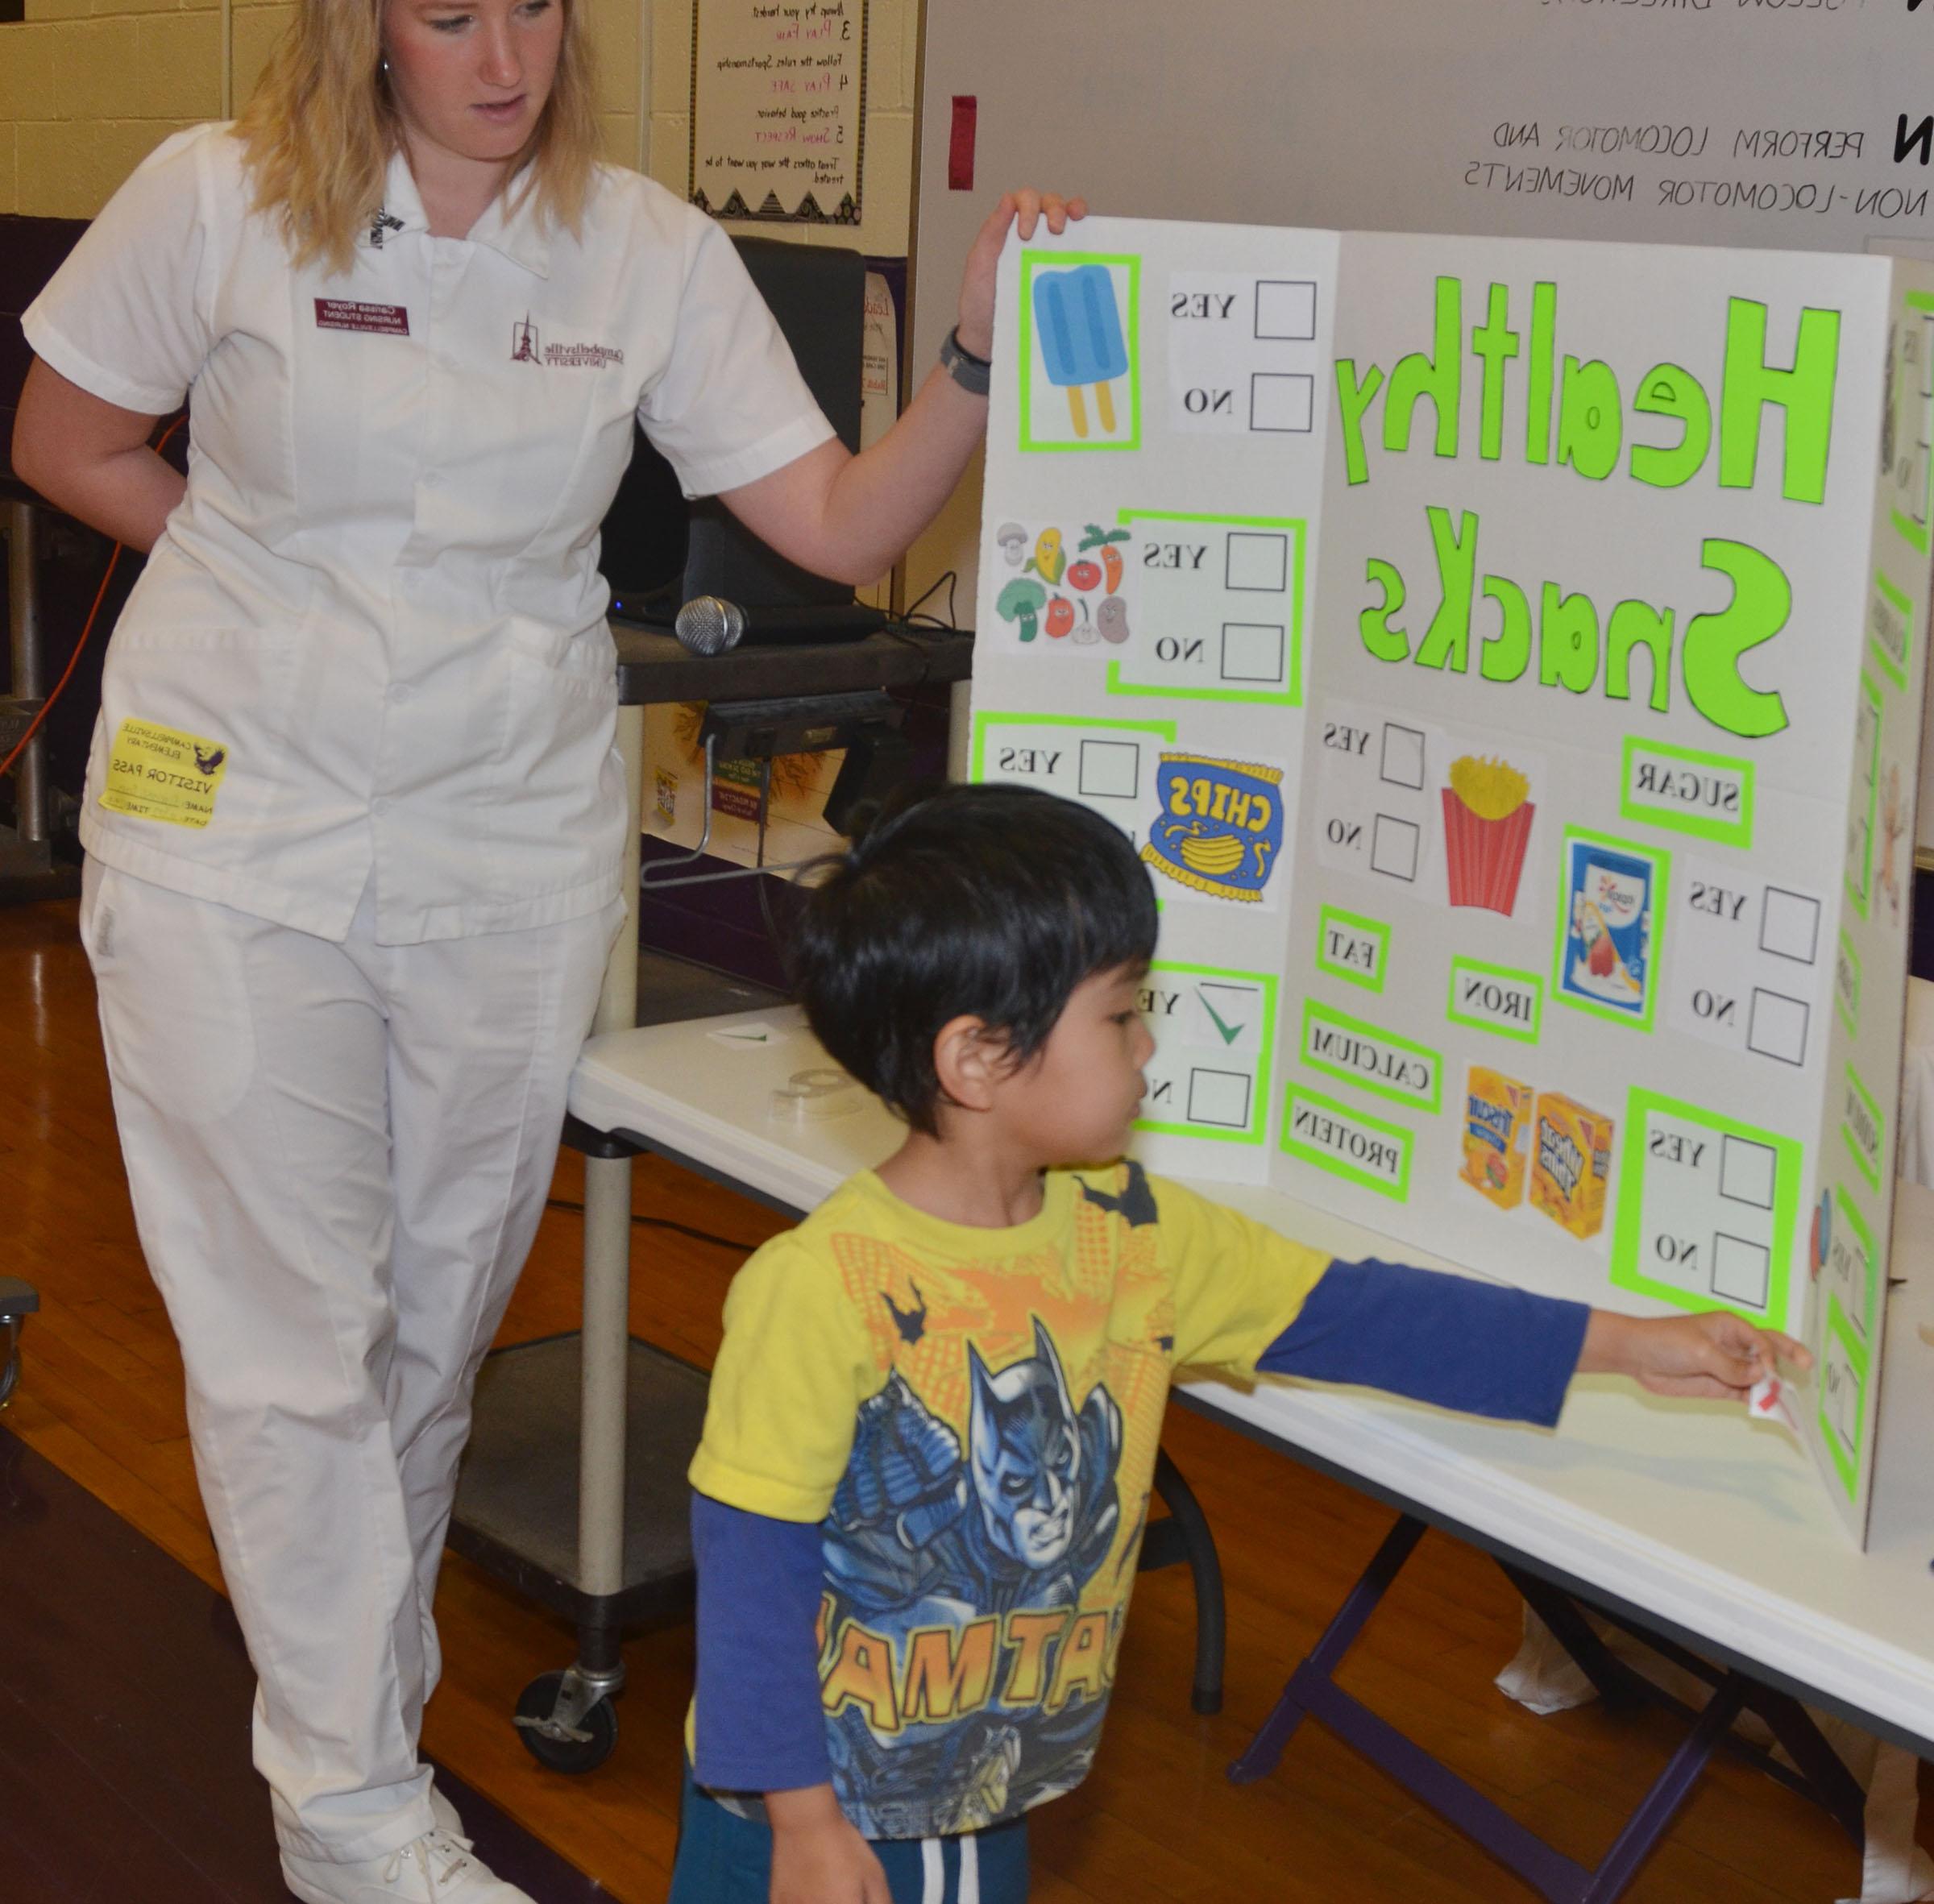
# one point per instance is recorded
(706, 625)
(709, 625)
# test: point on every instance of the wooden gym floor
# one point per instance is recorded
(1157, 1824)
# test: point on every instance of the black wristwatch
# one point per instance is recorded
(972, 373)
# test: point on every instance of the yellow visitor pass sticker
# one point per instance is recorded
(157, 773)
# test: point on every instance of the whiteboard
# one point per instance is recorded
(1796, 125)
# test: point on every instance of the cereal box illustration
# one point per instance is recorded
(1607, 956)
(1570, 1161)
(1497, 1125)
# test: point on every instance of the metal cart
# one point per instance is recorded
(574, 1490)
(18, 1302)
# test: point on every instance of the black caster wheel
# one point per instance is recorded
(553, 1747)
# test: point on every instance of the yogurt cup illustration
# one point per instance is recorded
(1608, 910)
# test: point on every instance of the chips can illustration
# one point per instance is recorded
(1221, 828)
(1570, 1161)
(1497, 1125)
(1487, 815)
(1608, 925)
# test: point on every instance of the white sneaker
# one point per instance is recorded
(449, 1819)
(438, 1868)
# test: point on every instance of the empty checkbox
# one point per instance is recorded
(1258, 562)
(1789, 925)
(1740, 1271)
(1285, 310)
(1253, 651)
(1402, 759)
(1746, 1172)
(1110, 770)
(1219, 1097)
(1279, 400)
(1777, 1026)
(1393, 845)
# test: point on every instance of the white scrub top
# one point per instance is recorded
(370, 645)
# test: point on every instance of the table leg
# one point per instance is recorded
(1656, 1810)
(33, 799)
(1312, 1691)
(1196, 1545)
(1266, 1748)
(607, 1320)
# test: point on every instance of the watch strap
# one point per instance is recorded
(973, 373)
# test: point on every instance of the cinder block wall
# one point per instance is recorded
(87, 88)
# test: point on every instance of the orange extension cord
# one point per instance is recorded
(47, 707)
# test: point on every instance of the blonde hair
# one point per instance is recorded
(321, 128)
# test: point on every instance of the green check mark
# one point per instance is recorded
(1230, 1033)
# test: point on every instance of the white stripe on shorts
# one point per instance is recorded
(933, 1873)
(970, 1871)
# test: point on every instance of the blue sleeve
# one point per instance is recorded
(758, 1724)
(1476, 1347)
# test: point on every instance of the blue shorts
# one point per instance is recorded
(724, 1859)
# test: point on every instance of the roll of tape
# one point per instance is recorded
(811, 1097)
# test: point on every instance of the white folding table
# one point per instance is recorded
(1685, 1519)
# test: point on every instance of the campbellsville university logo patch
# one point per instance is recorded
(343, 314)
(527, 348)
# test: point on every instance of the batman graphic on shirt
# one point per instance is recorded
(966, 1566)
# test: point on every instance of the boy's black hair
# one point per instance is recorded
(992, 901)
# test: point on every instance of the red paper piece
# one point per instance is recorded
(960, 143)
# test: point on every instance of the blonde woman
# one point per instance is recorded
(353, 817)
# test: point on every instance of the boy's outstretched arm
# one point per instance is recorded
(1716, 1353)
(1486, 1349)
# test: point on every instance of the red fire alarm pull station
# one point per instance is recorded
(960, 144)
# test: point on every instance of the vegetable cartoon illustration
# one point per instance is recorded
(1049, 558)
(1060, 615)
(1013, 540)
(1104, 542)
(1084, 575)
(1111, 620)
(1020, 602)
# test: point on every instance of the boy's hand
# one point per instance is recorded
(1714, 1354)
(817, 1856)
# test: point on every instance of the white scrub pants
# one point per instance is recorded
(338, 1155)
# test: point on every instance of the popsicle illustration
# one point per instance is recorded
(1081, 338)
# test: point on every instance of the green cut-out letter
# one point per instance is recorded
(1638, 624)
(1538, 367)
(1439, 376)
(1381, 637)
(1805, 393)
(1505, 655)
(1495, 343)
(1567, 641)
(1352, 398)
(1446, 642)
(1591, 425)
(1762, 598)
(1668, 391)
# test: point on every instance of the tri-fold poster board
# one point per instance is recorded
(1507, 657)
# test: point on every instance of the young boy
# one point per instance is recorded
(927, 1461)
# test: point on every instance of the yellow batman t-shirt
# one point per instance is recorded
(973, 1416)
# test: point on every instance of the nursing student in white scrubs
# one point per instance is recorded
(353, 817)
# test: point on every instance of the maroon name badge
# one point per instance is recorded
(343, 314)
